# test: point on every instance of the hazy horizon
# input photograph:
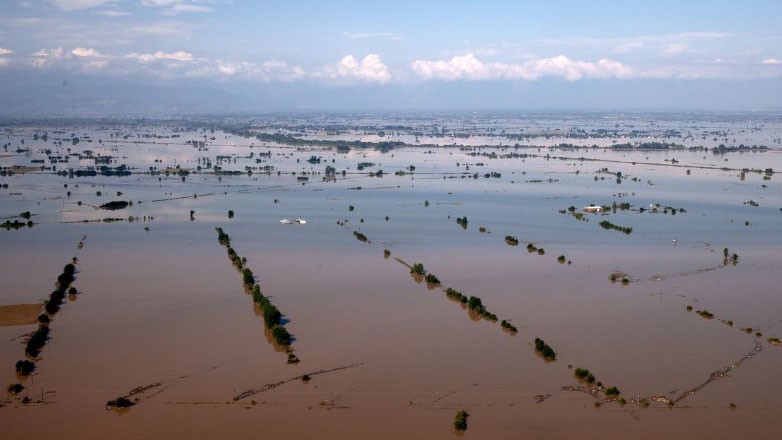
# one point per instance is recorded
(101, 57)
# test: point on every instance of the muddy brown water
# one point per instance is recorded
(165, 305)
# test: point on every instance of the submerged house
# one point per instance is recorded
(593, 208)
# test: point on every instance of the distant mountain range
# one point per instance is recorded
(52, 93)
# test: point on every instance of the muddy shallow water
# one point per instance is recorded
(160, 303)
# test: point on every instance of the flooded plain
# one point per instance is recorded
(669, 296)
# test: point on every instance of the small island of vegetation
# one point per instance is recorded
(545, 350)
(460, 421)
(605, 224)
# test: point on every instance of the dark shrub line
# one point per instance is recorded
(16, 224)
(115, 205)
(544, 350)
(38, 339)
(605, 224)
(584, 375)
(531, 248)
(272, 316)
(508, 326)
(706, 314)
(473, 304)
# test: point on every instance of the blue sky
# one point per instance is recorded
(242, 45)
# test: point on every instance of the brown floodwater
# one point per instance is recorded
(160, 303)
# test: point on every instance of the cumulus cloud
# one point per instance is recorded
(468, 67)
(349, 68)
(772, 61)
(83, 52)
(160, 55)
(80, 58)
(176, 56)
(74, 5)
(4, 51)
(185, 65)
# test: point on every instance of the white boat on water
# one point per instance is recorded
(297, 221)
(593, 208)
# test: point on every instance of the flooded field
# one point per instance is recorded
(445, 263)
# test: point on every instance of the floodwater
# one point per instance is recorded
(161, 305)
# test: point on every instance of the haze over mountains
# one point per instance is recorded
(67, 94)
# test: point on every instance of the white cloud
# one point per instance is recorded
(675, 48)
(185, 7)
(376, 35)
(176, 56)
(73, 5)
(57, 52)
(158, 2)
(772, 61)
(80, 58)
(185, 65)
(114, 13)
(468, 67)
(44, 56)
(629, 47)
(484, 51)
(369, 69)
(167, 29)
(82, 52)
(95, 65)
(266, 72)
(647, 40)
(174, 7)
(160, 55)
(4, 51)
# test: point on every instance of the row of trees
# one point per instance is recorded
(605, 224)
(272, 316)
(473, 303)
(39, 338)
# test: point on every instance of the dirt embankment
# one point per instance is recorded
(19, 314)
